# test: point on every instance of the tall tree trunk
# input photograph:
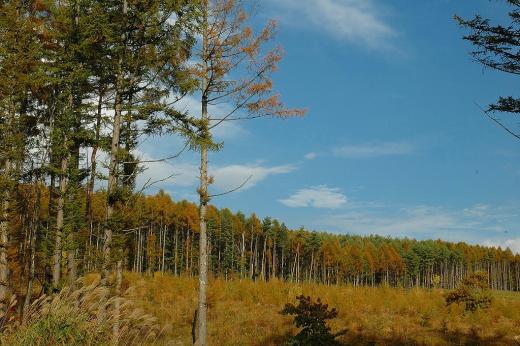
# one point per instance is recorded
(93, 167)
(56, 273)
(165, 231)
(251, 257)
(28, 292)
(117, 301)
(263, 258)
(203, 194)
(114, 162)
(242, 255)
(4, 242)
(176, 258)
(32, 260)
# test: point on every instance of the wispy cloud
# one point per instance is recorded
(310, 156)
(226, 177)
(512, 244)
(317, 197)
(358, 21)
(229, 177)
(474, 224)
(370, 150)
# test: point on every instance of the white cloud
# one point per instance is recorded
(317, 197)
(412, 221)
(229, 177)
(356, 21)
(513, 244)
(310, 156)
(476, 224)
(186, 174)
(476, 210)
(374, 150)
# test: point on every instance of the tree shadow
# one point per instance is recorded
(353, 338)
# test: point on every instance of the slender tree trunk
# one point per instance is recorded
(176, 258)
(273, 266)
(203, 194)
(93, 162)
(32, 254)
(242, 254)
(165, 231)
(263, 258)
(28, 292)
(113, 167)
(117, 301)
(251, 255)
(56, 274)
(203, 257)
(4, 242)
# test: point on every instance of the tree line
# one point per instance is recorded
(159, 234)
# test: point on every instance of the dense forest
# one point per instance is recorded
(160, 235)
(82, 80)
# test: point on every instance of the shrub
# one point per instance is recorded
(473, 292)
(311, 317)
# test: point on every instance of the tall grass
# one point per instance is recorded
(72, 318)
(247, 313)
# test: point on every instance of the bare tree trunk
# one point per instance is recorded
(203, 260)
(93, 167)
(4, 241)
(203, 194)
(176, 258)
(273, 266)
(242, 254)
(32, 249)
(56, 273)
(71, 262)
(117, 301)
(165, 231)
(113, 167)
(30, 281)
(251, 263)
(263, 258)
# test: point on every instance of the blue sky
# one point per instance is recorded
(393, 143)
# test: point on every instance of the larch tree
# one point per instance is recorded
(148, 45)
(497, 47)
(233, 67)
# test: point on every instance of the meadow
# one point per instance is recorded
(248, 313)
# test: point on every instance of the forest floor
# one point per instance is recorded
(248, 313)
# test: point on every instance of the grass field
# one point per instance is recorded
(247, 313)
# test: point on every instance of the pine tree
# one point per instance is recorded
(497, 47)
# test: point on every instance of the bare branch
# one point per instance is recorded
(159, 160)
(232, 190)
(517, 136)
(149, 182)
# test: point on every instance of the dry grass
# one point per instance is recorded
(72, 318)
(247, 313)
